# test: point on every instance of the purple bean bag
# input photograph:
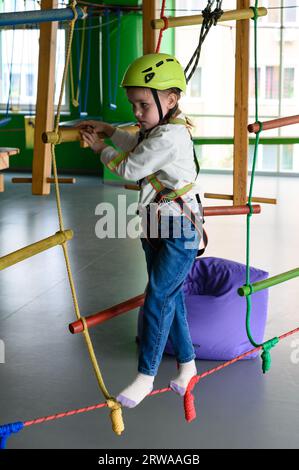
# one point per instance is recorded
(216, 313)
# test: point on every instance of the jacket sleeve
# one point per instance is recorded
(126, 141)
(151, 155)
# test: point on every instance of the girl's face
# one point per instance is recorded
(145, 108)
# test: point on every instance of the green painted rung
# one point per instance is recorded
(271, 281)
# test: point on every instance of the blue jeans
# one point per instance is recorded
(164, 310)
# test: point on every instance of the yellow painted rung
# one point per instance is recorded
(35, 248)
(73, 134)
(63, 135)
(174, 22)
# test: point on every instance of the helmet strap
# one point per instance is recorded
(157, 101)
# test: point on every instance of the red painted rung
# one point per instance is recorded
(273, 124)
(104, 315)
(230, 210)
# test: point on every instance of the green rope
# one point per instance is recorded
(266, 358)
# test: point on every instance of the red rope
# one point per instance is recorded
(190, 412)
(65, 414)
(165, 19)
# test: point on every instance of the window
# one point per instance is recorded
(287, 158)
(19, 51)
(289, 11)
(272, 82)
(209, 100)
(15, 84)
(195, 84)
(269, 157)
(288, 82)
(252, 81)
(273, 15)
(29, 84)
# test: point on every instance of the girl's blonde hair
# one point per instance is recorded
(174, 112)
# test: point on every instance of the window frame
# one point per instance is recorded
(25, 108)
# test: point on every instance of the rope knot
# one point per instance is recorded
(56, 137)
(250, 209)
(255, 13)
(260, 127)
(7, 429)
(266, 356)
(249, 288)
(115, 415)
(166, 23)
(75, 103)
(73, 7)
(217, 13)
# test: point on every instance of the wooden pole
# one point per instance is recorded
(41, 168)
(271, 281)
(35, 248)
(241, 109)
(239, 14)
(108, 313)
(49, 180)
(150, 10)
(274, 123)
(73, 134)
(230, 210)
(5, 153)
(39, 16)
(230, 197)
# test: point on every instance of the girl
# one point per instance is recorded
(161, 158)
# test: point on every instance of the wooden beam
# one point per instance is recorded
(230, 197)
(175, 22)
(241, 109)
(4, 162)
(73, 134)
(38, 247)
(273, 124)
(41, 168)
(150, 9)
(49, 180)
(5, 153)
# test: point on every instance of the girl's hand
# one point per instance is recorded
(96, 126)
(92, 139)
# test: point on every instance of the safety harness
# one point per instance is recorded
(165, 194)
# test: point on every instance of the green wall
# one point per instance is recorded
(70, 156)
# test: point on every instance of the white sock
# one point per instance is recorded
(137, 391)
(186, 371)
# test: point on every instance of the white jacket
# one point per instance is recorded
(167, 152)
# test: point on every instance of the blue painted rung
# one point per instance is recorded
(39, 16)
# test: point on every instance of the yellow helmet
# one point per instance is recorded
(158, 71)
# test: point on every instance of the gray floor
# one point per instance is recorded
(47, 369)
